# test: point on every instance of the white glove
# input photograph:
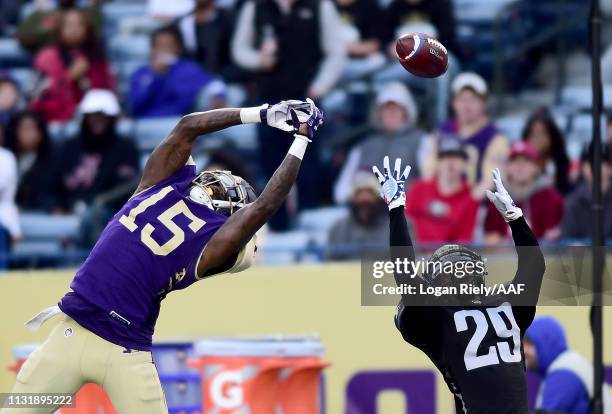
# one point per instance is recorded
(279, 115)
(502, 200)
(392, 185)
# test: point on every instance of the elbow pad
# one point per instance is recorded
(246, 257)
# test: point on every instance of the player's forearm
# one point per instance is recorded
(278, 187)
(400, 241)
(199, 123)
(531, 264)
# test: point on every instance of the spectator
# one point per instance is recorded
(442, 208)
(96, 161)
(362, 31)
(266, 39)
(578, 220)
(207, 33)
(28, 138)
(72, 67)
(9, 16)
(170, 84)
(395, 121)
(40, 27)
(295, 49)
(434, 17)
(542, 132)
(486, 147)
(366, 224)
(532, 191)
(566, 375)
(164, 10)
(10, 98)
(9, 215)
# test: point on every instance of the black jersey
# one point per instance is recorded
(478, 349)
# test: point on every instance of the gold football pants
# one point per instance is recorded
(73, 356)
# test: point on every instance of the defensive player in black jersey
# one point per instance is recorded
(476, 345)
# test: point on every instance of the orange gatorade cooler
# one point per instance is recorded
(261, 375)
(90, 399)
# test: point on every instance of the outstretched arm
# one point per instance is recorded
(410, 320)
(229, 240)
(531, 264)
(174, 151)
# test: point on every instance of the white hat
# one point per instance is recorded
(100, 100)
(398, 93)
(364, 180)
(470, 80)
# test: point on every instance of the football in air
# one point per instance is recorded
(422, 55)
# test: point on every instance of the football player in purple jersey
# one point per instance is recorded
(178, 228)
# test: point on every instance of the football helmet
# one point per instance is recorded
(221, 191)
(438, 273)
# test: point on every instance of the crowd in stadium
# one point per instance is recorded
(69, 145)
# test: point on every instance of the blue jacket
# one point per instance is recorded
(561, 390)
(170, 94)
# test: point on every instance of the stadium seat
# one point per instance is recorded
(24, 77)
(150, 132)
(478, 10)
(44, 234)
(320, 219)
(284, 248)
(134, 48)
(580, 97)
(511, 126)
(11, 54)
(38, 226)
(580, 131)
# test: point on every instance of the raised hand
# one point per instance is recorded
(392, 184)
(502, 200)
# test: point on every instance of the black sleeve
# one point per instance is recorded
(399, 237)
(409, 320)
(530, 269)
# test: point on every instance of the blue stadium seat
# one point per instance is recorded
(24, 77)
(321, 219)
(150, 132)
(284, 248)
(511, 126)
(44, 234)
(129, 48)
(11, 54)
(580, 131)
(579, 97)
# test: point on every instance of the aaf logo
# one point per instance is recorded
(226, 390)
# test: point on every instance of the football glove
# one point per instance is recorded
(313, 121)
(502, 200)
(279, 115)
(392, 185)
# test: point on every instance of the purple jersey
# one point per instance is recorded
(476, 145)
(149, 248)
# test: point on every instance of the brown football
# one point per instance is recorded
(422, 55)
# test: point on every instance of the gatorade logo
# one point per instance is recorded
(226, 390)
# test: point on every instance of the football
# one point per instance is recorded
(422, 55)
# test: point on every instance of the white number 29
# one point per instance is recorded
(166, 218)
(471, 358)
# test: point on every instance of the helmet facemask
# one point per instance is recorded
(221, 191)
